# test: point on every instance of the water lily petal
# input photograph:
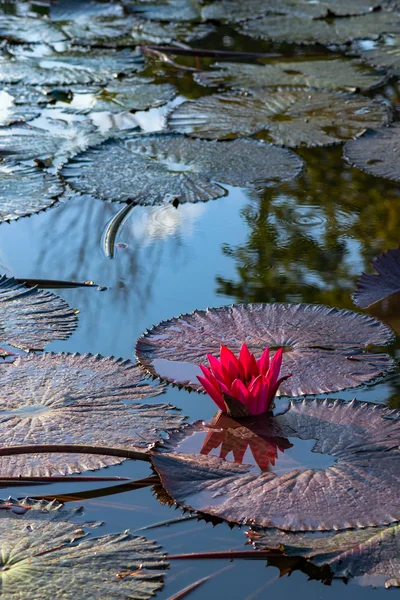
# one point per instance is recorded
(263, 362)
(239, 391)
(212, 392)
(248, 362)
(218, 370)
(229, 362)
(254, 391)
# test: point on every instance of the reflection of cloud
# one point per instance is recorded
(159, 222)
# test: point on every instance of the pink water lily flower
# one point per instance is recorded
(242, 386)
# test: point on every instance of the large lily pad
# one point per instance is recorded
(359, 490)
(166, 10)
(322, 345)
(77, 65)
(30, 31)
(42, 550)
(377, 152)
(65, 10)
(81, 399)
(290, 117)
(371, 553)
(386, 281)
(152, 169)
(31, 318)
(26, 190)
(298, 30)
(10, 112)
(383, 53)
(329, 74)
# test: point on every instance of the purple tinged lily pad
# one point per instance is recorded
(386, 281)
(77, 399)
(371, 553)
(31, 318)
(377, 152)
(45, 547)
(323, 346)
(359, 490)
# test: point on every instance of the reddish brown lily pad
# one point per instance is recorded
(323, 347)
(383, 283)
(77, 399)
(359, 490)
(31, 318)
(376, 152)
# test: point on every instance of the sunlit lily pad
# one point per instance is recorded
(26, 190)
(10, 112)
(386, 281)
(31, 318)
(360, 489)
(371, 553)
(64, 10)
(152, 169)
(30, 31)
(129, 95)
(322, 345)
(293, 29)
(77, 65)
(42, 550)
(329, 74)
(166, 10)
(77, 399)
(290, 117)
(377, 152)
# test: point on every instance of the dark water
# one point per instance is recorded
(305, 241)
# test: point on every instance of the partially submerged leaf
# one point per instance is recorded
(31, 318)
(153, 169)
(77, 65)
(73, 399)
(42, 550)
(303, 30)
(291, 117)
(376, 152)
(362, 483)
(322, 345)
(371, 553)
(386, 281)
(26, 190)
(330, 74)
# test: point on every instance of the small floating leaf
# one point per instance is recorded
(371, 553)
(298, 30)
(26, 190)
(31, 318)
(377, 152)
(152, 169)
(72, 398)
(290, 117)
(362, 483)
(386, 281)
(42, 550)
(322, 345)
(329, 74)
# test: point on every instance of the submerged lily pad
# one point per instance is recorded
(386, 281)
(131, 94)
(302, 30)
(31, 318)
(322, 345)
(152, 169)
(362, 483)
(290, 117)
(372, 553)
(26, 190)
(329, 74)
(77, 65)
(377, 152)
(77, 399)
(42, 550)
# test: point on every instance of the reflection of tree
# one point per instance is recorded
(309, 239)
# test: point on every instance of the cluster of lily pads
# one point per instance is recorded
(71, 73)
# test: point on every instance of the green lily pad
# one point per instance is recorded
(77, 399)
(31, 318)
(43, 550)
(297, 30)
(371, 553)
(158, 168)
(330, 74)
(322, 345)
(26, 190)
(363, 440)
(77, 65)
(290, 117)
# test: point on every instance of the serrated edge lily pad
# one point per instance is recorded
(386, 281)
